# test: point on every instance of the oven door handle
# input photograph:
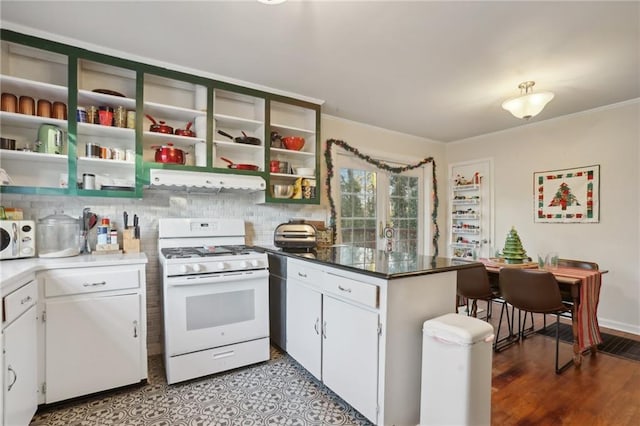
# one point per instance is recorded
(218, 278)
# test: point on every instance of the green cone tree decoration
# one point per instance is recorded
(513, 252)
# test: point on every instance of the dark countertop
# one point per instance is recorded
(377, 263)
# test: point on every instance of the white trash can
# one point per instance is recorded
(456, 371)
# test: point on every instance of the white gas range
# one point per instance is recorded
(215, 297)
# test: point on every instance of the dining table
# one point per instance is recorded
(583, 288)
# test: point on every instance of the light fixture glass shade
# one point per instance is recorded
(529, 104)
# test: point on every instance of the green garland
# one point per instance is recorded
(384, 166)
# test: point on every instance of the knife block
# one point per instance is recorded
(129, 243)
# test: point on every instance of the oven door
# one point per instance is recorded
(207, 311)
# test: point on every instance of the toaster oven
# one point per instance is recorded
(17, 239)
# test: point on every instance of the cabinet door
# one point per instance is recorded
(93, 344)
(20, 367)
(350, 354)
(303, 326)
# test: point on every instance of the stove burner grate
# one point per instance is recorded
(204, 251)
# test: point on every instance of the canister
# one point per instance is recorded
(131, 119)
(92, 114)
(88, 181)
(120, 117)
(103, 234)
(81, 114)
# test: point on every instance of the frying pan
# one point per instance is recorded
(233, 165)
(242, 139)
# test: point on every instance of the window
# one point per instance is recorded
(370, 200)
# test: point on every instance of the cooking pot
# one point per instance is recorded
(250, 140)
(58, 235)
(159, 126)
(186, 131)
(6, 143)
(169, 154)
(50, 139)
(233, 165)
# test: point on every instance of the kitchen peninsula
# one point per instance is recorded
(354, 320)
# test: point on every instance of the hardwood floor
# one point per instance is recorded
(604, 390)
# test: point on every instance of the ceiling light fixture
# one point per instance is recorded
(528, 104)
(272, 1)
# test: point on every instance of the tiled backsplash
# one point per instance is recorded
(260, 219)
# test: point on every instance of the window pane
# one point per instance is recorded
(358, 206)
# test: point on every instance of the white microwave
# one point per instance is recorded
(17, 239)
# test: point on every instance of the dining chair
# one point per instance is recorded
(537, 292)
(473, 285)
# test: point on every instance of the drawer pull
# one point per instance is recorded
(324, 329)
(15, 377)
(300, 274)
(25, 300)
(315, 326)
(135, 329)
(223, 354)
(346, 290)
(94, 284)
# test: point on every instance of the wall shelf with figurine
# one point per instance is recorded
(469, 211)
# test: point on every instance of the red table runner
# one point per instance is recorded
(587, 309)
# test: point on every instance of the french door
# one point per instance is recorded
(378, 209)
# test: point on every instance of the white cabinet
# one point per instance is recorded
(304, 316)
(20, 387)
(95, 331)
(350, 354)
(236, 115)
(93, 344)
(112, 89)
(294, 120)
(332, 335)
(370, 333)
(177, 104)
(30, 76)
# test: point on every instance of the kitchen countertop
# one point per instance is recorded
(377, 263)
(14, 271)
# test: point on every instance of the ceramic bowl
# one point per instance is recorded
(305, 171)
(294, 143)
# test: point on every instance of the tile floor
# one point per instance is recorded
(276, 392)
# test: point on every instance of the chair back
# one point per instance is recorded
(473, 283)
(531, 290)
(582, 264)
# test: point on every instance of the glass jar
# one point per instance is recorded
(58, 235)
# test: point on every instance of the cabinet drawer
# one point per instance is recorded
(19, 301)
(77, 281)
(304, 272)
(347, 288)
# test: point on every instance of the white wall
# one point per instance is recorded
(609, 137)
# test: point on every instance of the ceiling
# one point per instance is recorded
(439, 70)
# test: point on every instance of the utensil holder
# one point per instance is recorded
(130, 244)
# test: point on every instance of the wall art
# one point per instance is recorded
(568, 195)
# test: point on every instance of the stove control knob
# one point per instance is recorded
(244, 264)
(255, 263)
(184, 268)
(220, 266)
(196, 268)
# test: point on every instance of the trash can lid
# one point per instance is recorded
(457, 328)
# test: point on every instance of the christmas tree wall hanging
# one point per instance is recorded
(513, 252)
